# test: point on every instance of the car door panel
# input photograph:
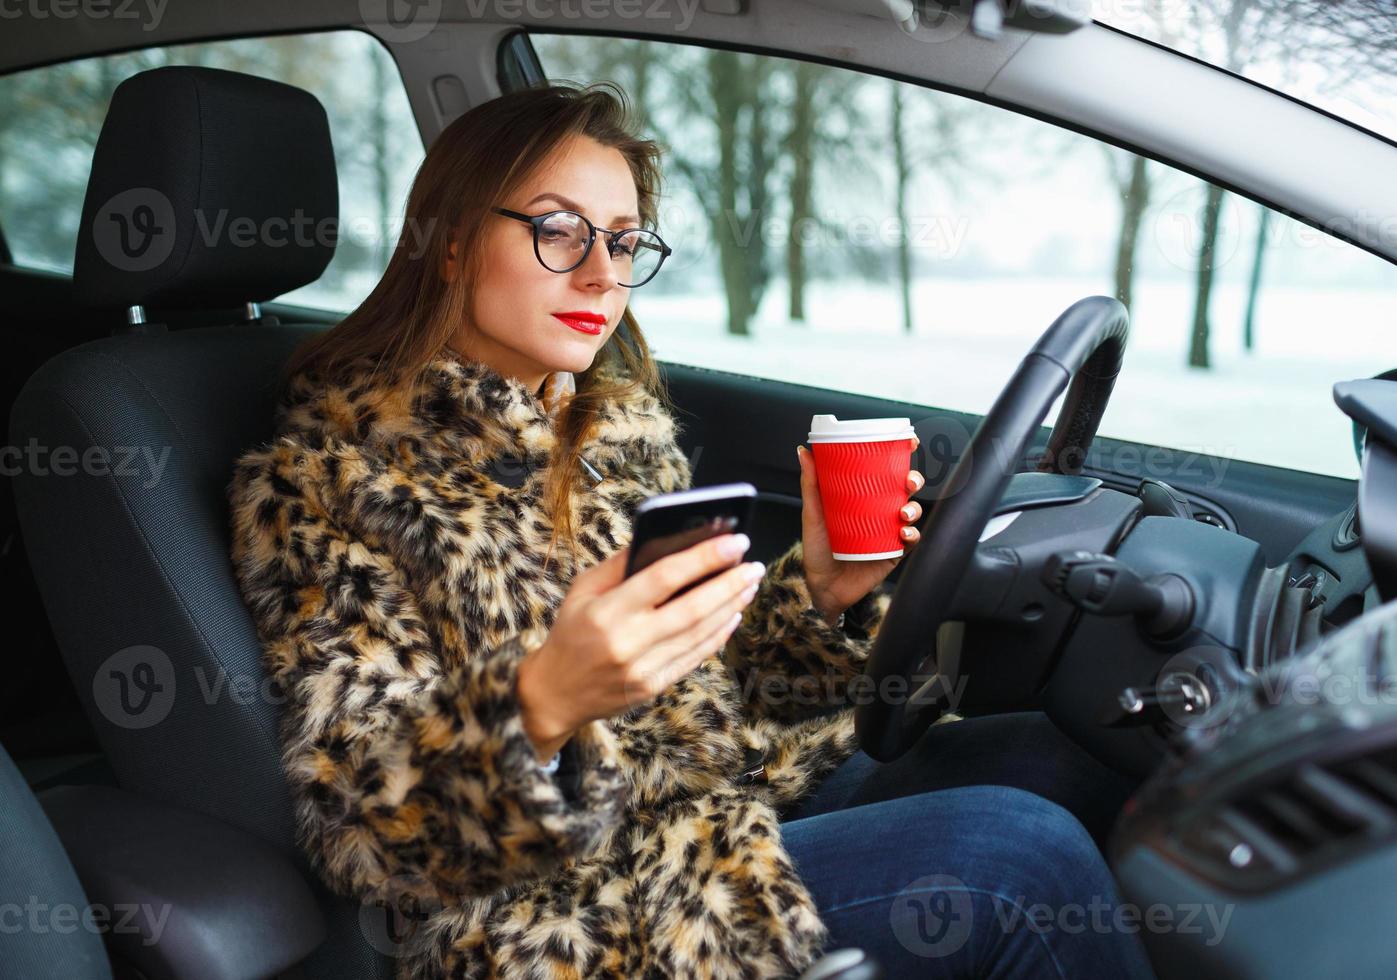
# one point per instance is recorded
(736, 427)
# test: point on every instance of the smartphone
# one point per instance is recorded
(670, 522)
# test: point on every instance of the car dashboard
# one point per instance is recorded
(1268, 843)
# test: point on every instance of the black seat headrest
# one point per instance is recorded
(209, 189)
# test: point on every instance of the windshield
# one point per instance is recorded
(1337, 55)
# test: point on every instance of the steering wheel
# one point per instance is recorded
(1084, 346)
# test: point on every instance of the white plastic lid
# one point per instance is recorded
(827, 428)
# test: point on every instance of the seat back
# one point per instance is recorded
(131, 441)
(131, 553)
(52, 940)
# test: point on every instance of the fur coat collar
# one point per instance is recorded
(395, 576)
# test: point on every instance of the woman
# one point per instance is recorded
(553, 765)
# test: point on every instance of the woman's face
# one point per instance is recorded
(512, 325)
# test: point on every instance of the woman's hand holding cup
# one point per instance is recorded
(857, 518)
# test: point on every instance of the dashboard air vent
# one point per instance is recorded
(1316, 816)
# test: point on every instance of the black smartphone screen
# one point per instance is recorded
(670, 522)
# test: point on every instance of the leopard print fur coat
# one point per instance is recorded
(396, 581)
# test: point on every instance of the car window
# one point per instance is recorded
(50, 118)
(844, 230)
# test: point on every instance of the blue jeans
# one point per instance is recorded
(976, 854)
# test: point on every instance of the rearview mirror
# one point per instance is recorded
(941, 20)
(988, 18)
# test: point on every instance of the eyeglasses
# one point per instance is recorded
(564, 239)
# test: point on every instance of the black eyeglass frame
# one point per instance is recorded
(537, 221)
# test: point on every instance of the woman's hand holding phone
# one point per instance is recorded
(617, 642)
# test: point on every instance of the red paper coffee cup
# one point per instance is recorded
(861, 467)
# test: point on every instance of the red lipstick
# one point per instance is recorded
(583, 320)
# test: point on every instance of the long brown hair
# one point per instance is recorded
(470, 168)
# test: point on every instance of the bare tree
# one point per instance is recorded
(902, 173)
(1354, 41)
(824, 116)
(799, 146)
(1198, 355)
(379, 145)
(1347, 41)
(737, 88)
(1229, 16)
(1131, 176)
(952, 137)
(1263, 225)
